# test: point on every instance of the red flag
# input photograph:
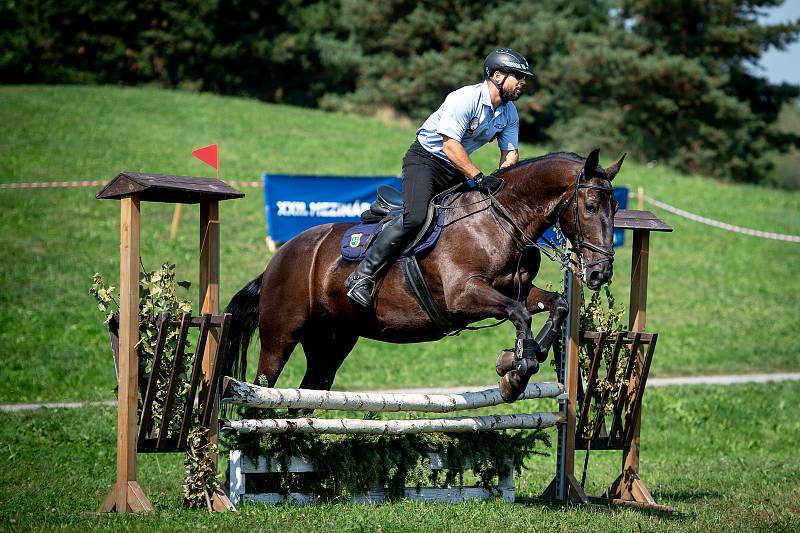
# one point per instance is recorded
(208, 155)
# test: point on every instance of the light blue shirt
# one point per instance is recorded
(467, 116)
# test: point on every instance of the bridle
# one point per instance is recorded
(551, 250)
(608, 254)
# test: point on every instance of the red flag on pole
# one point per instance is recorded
(208, 155)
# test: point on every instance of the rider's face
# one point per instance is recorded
(513, 86)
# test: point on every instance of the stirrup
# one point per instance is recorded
(354, 283)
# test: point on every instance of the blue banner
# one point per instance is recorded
(621, 194)
(296, 203)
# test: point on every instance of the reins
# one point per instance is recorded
(556, 253)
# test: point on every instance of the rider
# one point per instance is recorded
(439, 158)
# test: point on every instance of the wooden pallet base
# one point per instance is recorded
(240, 466)
(575, 493)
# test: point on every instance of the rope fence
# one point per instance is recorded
(717, 224)
(666, 207)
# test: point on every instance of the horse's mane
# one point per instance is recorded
(572, 156)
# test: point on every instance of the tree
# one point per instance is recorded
(671, 79)
(667, 80)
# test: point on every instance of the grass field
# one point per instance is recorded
(713, 453)
(722, 303)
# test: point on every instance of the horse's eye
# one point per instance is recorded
(592, 208)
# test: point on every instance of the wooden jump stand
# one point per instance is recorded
(126, 495)
(628, 488)
(132, 188)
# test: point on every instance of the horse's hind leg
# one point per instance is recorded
(279, 329)
(275, 351)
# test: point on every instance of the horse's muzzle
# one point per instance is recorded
(600, 274)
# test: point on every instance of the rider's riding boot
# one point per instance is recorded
(386, 248)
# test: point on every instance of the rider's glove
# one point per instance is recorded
(488, 184)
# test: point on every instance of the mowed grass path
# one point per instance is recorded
(723, 457)
(723, 303)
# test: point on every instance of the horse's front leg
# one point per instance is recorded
(479, 297)
(539, 300)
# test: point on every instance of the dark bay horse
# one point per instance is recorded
(483, 266)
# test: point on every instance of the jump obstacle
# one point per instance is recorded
(574, 397)
(241, 467)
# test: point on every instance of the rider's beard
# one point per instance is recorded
(511, 95)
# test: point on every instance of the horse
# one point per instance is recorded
(482, 266)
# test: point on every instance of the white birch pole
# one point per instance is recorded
(467, 424)
(241, 393)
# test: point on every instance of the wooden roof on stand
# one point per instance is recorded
(643, 220)
(172, 189)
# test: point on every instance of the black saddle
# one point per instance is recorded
(388, 204)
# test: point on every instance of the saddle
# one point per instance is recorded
(388, 205)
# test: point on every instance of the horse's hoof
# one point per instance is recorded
(505, 362)
(541, 354)
(510, 386)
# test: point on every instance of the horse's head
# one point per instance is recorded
(587, 219)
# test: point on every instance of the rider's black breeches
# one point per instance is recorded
(424, 176)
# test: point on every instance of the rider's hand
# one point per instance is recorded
(488, 184)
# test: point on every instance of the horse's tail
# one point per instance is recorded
(244, 307)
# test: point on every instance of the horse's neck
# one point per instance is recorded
(534, 192)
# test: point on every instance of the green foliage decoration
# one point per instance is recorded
(200, 481)
(348, 465)
(158, 293)
(600, 313)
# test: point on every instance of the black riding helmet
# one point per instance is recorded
(506, 61)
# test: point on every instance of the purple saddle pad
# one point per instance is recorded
(356, 240)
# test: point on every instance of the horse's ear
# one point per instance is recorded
(590, 167)
(614, 169)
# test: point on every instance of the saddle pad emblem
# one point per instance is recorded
(355, 240)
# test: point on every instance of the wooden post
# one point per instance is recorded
(628, 486)
(640, 197)
(637, 318)
(573, 492)
(209, 303)
(209, 290)
(126, 495)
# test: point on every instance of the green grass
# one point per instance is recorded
(722, 302)
(723, 457)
